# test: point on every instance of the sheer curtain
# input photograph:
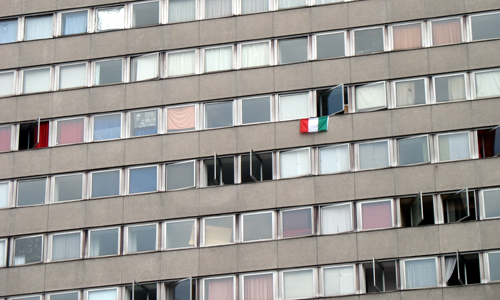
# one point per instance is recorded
(181, 118)
(6, 83)
(407, 36)
(5, 138)
(70, 131)
(254, 6)
(3, 254)
(254, 55)
(450, 262)
(339, 281)
(36, 80)
(294, 107)
(219, 289)
(370, 96)
(488, 84)
(107, 127)
(373, 155)
(454, 146)
(456, 87)
(336, 219)
(405, 93)
(109, 294)
(66, 246)
(144, 67)
(8, 31)
(110, 18)
(376, 214)
(74, 23)
(295, 163)
(258, 287)
(72, 76)
(298, 284)
(218, 8)
(334, 159)
(446, 32)
(132, 241)
(181, 63)
(297, 222)
(38, 27)
(420, 273)
(291, 3)
(218, 59)
(181, 10)
(4, 194)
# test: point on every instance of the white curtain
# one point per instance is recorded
(66, 246)
(6, 83)
(218, 8)
(373, 155)
(295, 163)
(95, 244)
(454, 146)
(294, 107)
(370, 96)
(132, 240)
(218, 231)
(254, 55)
(75, 22)
(2, 253)
(456, 87)
(218, 59)
(109, 294)
(110, 18)
(181, 10)
(254, 6)
(8, 31)
(334, 159)
(336, 219)
(144, 67)
(339, 281)
(488, 84)
(450, 262)
(405, 93)
(72, 76)
(298, 284)
(36, 80)
(420, 273)
(291, 3)
(38, 27)
(4, 194)
(181, 63)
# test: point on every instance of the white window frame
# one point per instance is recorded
(118, 294)
(115, 5)
(158, 62)
(26, 297)
(13, 135)
(278, 162)
(467, 83)
(273, 225)
(323, 283)
(359, 210)
(10, 193)
(51, 80)
(394, 100)
(390, 154)
(55, 142)
(125, 76)
(3, 264)
(203, 285)
(320, 218)
(16, 82)
(53, 187)
(277, 48)
(384, 37)
(126, 237)
(197, 61)
(49, 296)
(198, 12)
(51, 245)
(158, 179)
(487, 270)
(473, 83)
(429, 146)
(203, 179)
(57, 76)
(311, 104)
(239, 6)
(122, 129)
(403, 272)
(203, 114)
(203, 235)
(423, 38)
(233, 57)
(470, 137)
(430, 37)
(481, 199)
(54, 26)
(59, 21)
(469, 28)
(239, 53)
(91, 176)
(178, 163)
(20, 28)
(353, 100)
(281, 219)
(130, 13)
(13, 249)
(349, 156)
(272, 111)
(196, 239)
(242, 283)
(88, 246)
(197, 117)
(308, 3)
(282, 281)
(128, 123)
(314, 53)
(47, 188)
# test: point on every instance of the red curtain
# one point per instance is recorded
(181, 118)
(5, 138)
(70, 131)
(377, 215)
(220, 289)
(407, 36)
(44, 135)
(446, 32)
(259, 287)
(297, 222)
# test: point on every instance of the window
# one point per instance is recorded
(183, 289)
(407, 36)
(255, 54)
(490, 203)
(256, 110)
(485, 26)
(218, 8)
(370, 96)
(4, 194)
(104, 294)
(373, 155)
(28, 250)
(291, 3)
(180, 234)
(298, 284)
(292, 50)
(294, 106)
(256, 167)
(36, 80)
(3, 253)
(104, 242)
(27, 298)
(297, 222)
(417, 210)
(330, 45)
(218, 230)
(105, 183)
(380, 276)
(336, 218)
(257, 226)
(72, 76)
(143, 180)
(339, 280)
(5, 138)
(453, 146)
(65, 296)
(66, 246)
(68, 187)
(413, 150)
(74, 22)
(181, 118)
(33, 135)
(39, 27)
(108, 71)
(410, 92)
(295, 163)
(449, 87)
(139, 291)
(487, 84)
(110, 18)
(462, 269)
(488, 140)
(420, 273)
(332, 101)
(334, 159)
(107, 127)
(6, 82)
(70, 131)
(447, 31)
(141, 238)
(181, 10)
(493, 265)
(258, 286)
(218, 170)
(459, 206)
(144, 122)
(144, 67)
(8, 31)
(254, 6)
(181, 63)
(219, 59)
(221, 288)
(369, 40)
(31, 192)
(218, 114)
(376, 214)
(181, 175)
(145, 14)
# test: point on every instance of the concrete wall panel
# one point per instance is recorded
(179, 264)
(408, 63)
(297, 252)
(358, 13)
(372, 125)
(144, 39)
(218, 85)
(220, 141)
(338, 248)
(376, 183)
(373, 67)
(461, 236)
(106, 154)
(104, 212)
(334, 188)
(378, 244)
(181, 90)
(461, 112)
(328, 17)
(66, 216)
(64, 275)
(72, 48)
(107, 98)
(178, 204)
(143, 94)
(102, 271)
(412, 179)
(26, 279)
(141, 208)
(68, 158)
(255, 81)
(292, 192)
(218, 31)
(180, 146)
(418, 241)
(293, 77)
(258, 196)
(251, 27)
(216, 200)
(448, 58)
(294, 21)
(39, 52)
(143, 150)
(411, 120)
(140, 268)
(29, 220)
(256, 137)
(71, 102)
(218, 260)
(32, 162)
(331, 72)
(34, 106)
(455, 176)
(257, 256)
(111, 43)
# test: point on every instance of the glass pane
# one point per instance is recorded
(143, 180)
(107, 127)
(293, 50)
(181, 118)
(485, 26)
(180, 175)
(339, 281)
(3, 253)
(331, 101)
(181, 63)
(407, 36)
(411, 92)
(370, 97)
(28, 250)
(373, 155)
(446, 32)
(109, 294)
(413, 151)
(6, 83)
(181, 10)
(219, 114)
(494, 264)
(334, 159)
(218, 231)
(36, 80)
(141, 238)
(66, 246)
(330, 45)
(294, 107)
(181, 234)
(488, 84)
(65, 296)
(420, 273)
(70, 131)
(106, 184)
(146, 14)
(258, 227)
(144, 67)
(254, 6)
(8, 31)
(31, 192)
(218, 8)
(74, 22)
(454, 146)
(335, 219)
(491, 200)
(144, 123)
(219, 289)
(450, 88)
(295, 163)
(72, 76)
(39, 27)
(4, 195)
(297, 222)
(219, 59)
(180, 290)
(298, 284)
(110, 18)
(256, 110)
(291, 3)
(109, 71)
(369, 40)
(5, 138)
(376, 214)
(327, 1)
(68, 188)
(104, 242)
(254, 55)
(456, 206)
(259, 286)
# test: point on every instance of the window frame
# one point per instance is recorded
(467, 84)
(242, 282)
(310, 103)
(354, 103)
(126, 238)
(281, 219)
(430, 34)
(13, 136)
(203, 230)
(22, 77)
(55, 142)
(473, 83)
(49, 296)
(239, 51)
(158, 179)
(88, 245)
(469, 142)
(130, 58)
(278, 162)
(129, 122)
(57, 76)
(203, 55)
(196, 237)
(118, 294)
(3, 264)
(19, 28)
(90, 181)
(110, 6)
(469, 27)
(91, 127)
(277, 57)
(277, 7)
(59, 21)
(130, 13)
(429, 147)
(487, 269)
(23, 26)
(195, 167)
(394, 100)
(17, 82)
(481, 200)
(197, 60)
(282, 281)
(197, 117)
(359, 214)
(197, 13)
(320, 218)
(51, 245)
(239, 104)
(13, 250)
(322, 282)
(25, 297)
(349, 156)
(10, 193)
(203, 285)
(423, 39)
(46, 194)
(403, 272)
(203, 118)
(53, 187)
(384, 39)
(94, 70)
(390, 154)
(239, 7)
(242, 225)
(315, 40)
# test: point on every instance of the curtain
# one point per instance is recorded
(109, 294)
(407, 36)
(74, 23)
(6, 83)
(456, 87)
(43, 141)
(219, 289)
(334, 159)
(373, 155)
(218, 231)
(254, 6)
(8, 31)
(291, 3)
(36, 80)
(218, 59)
(2, 254)
(295, 163)
(70, 131)
(254, 55)
(259, 287)
(450, 262)
(339, 281)
(181, 63)
(420, 273)
(66, 246)
(454, 146)
(488, 84)
(72, 76)
(144, 67)
(294, 107)
(5, 138)
(107, 127)
(132, 240)
(38, 27)
(446, 32)
(298, 284)
(370, 96)
(376, 214)
(181, 118)
(144, 123)
(181, 10)
(4, 194)
(336, 219)
(297, 222)
(218, 8)
(180, 234)
(405, 93)
(110, 18)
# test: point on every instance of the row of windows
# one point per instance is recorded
(251, 167)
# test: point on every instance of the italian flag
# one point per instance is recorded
(314, 124)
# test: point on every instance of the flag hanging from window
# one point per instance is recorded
(314, 124)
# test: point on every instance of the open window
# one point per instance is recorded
(332, 101)
(34, 134)
(490, 203)
(183, 289)
(380, 276)
(417, 210)
(256, 167)
(489, 142)
(462, 269)
(219, 170)
(459, 206)
(144, 67)
(413, 150)
(141, 291)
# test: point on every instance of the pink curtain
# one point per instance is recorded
(377, 215)
(446, 32)
(220, 289)
(182, 118)
(43, 142)
(5, 138)
(407, 36)
(297, 222)
(259, 287)
(69, 132)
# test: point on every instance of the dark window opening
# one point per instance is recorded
(380, 276)
(137, 291)
(459, 206)
(462, 269)
(489, 142)
(180, 289)
(417, 211)
(332, 101)
(219, 170)
(257, 168)
(34, 135)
